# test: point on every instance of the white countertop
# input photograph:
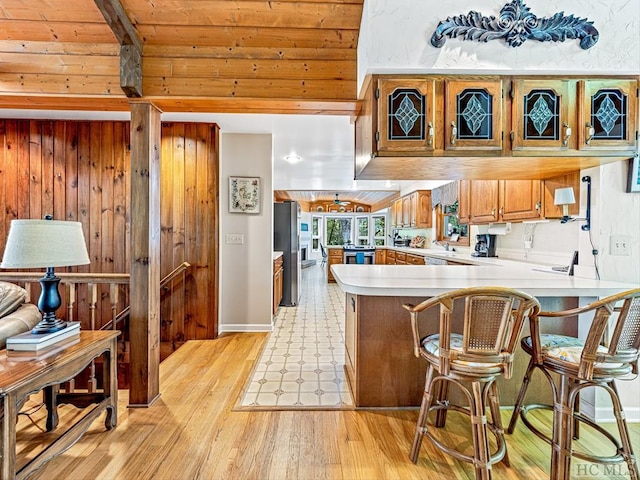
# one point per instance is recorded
(430, 280)
(277, 255)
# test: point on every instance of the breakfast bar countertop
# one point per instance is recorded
(430, 280)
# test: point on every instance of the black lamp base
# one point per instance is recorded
(47, 326)
(48, 303)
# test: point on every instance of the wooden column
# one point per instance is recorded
(144, 328)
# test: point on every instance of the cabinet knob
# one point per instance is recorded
(589, 134)
(493, 212)
(501, 211)
(567, 134)
(454, 133)
(431, 135)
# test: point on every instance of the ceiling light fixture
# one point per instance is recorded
(292, 159)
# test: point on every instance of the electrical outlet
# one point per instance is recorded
(619, 245)
(234, 238)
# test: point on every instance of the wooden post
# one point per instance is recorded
(144, 326)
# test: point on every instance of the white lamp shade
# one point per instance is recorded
(44, 243)
(564, 196)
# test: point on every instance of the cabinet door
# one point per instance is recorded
(423, 213)
(483, 205)
(561, 181)
(406, 211)
(520, 200)
(464, 189)
(397, 212)
(381, 256)
(609, 115)
(543, 115)
(406, 115)
(473, 115)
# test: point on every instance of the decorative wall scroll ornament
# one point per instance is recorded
(516, 24)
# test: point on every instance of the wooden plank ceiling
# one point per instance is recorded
(238, 56)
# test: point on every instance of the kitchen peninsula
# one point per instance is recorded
(380, 366)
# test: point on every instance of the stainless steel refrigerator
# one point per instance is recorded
(286, 239)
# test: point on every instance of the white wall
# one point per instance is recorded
(395, 38)
(246, 270)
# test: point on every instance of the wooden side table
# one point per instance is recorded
(22, 375)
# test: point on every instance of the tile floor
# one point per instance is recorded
(302, 364)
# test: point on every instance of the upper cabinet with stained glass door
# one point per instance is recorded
(406, 115)
(473, 115)
(543, 115)
(608, 114)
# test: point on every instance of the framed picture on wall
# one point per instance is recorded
(633, 176)
(244, 195)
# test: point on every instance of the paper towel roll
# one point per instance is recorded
(499, 228)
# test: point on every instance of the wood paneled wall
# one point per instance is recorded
(80, 171)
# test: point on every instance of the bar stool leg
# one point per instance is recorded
(421, 425)
(627, 451)
(479, 428)
(520, 400)
(494, 405)
(441, 394)
(562, 433)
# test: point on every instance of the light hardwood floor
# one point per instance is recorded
(192, 432)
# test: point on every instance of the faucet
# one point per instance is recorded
(445, 245)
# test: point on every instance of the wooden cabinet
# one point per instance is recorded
(412, 210)
(396, 213)
(406, 115)
(401, 258)
(483, 204)
(406, 211)
(544, 115)
(436, 126)
(391, 257)
(504, 200)
(473, 115)
(277, 283)
(572, 117)
(381, 256)
(414, 259)
(520, 200)
(334, 256)
(608, 115)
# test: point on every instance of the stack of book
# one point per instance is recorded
(35, 342)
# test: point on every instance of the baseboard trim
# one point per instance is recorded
(246, 328)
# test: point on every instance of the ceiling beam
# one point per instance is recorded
(130, 46)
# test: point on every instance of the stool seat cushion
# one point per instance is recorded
(566, 349)
(432, 345)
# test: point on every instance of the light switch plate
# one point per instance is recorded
(234, 238)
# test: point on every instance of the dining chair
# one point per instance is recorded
(472, 360)
(323, 250)
(608, 353)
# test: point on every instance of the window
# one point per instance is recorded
(379, 229)
(316, 233)
(449, 228)
(363, 230)
(338, 230)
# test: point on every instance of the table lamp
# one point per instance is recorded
(45, 244)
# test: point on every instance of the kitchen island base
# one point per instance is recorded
(382, 370)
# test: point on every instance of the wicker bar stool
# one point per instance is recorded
(493, 319)
(581, 364)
